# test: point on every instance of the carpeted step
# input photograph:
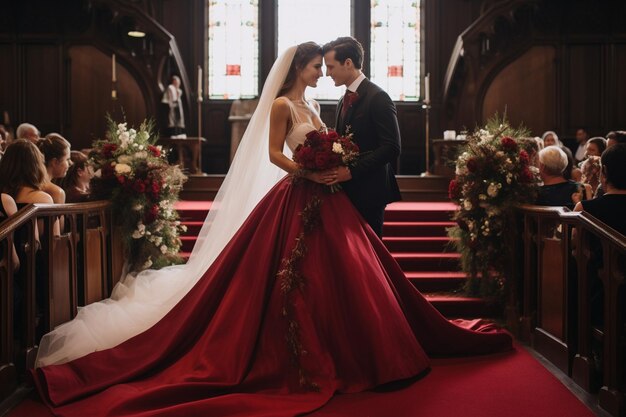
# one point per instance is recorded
(427, 261)
(411, 212)
(418, 244)
(416, 229)
(192, 210)
(453, 306)
(437, 281)
(188, 242)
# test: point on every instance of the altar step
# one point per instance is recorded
(415, 234)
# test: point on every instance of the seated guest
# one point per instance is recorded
(613, 138)
(556, 189)
(76, 181)
(7, 209)
(590, 169)
(23, 175)
(27, 131)
(550, 138)
(610, 208)
(56, 151)
(595, 146)
(581, 137)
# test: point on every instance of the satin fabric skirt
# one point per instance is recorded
(304, 302)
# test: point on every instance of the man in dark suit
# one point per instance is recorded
(368, 112)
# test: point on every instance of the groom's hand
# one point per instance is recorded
(343, 174)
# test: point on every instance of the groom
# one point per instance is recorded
(371, 115)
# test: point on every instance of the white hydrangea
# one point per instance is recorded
(467, 205)
(124, 159)
(140, 231)
(337, 148)
(163, 249)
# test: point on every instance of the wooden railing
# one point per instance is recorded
(573, 299)
(57, 273)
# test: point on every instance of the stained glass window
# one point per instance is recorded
(320, 21)
(395, 47)
(233, 49)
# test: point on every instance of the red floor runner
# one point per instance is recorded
(511, 384)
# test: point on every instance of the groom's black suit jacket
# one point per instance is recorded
(372, 120)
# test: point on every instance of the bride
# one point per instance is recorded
(288, 297)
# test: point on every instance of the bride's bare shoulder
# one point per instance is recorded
(280, 108)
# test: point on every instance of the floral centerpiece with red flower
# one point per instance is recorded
(325, 149)
(135, 175)
(493, 175)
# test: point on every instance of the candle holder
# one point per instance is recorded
(426, 106)
(199, 108)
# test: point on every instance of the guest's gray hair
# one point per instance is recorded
(24, 128)
(553, 159)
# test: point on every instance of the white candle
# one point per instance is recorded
(113, 75)
(199, 81)
(427, 88)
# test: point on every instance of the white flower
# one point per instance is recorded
(163, 249)
(122, 169)
(124, 159)
(148, 263)
(157, 241)
(467, 205)
(124, 138)
(482, 197)
(337, 148)
(137, 207)
(460, 170)
(140, 231)
(121, 127)
(141, 154)
(141, 147)
(493, 189)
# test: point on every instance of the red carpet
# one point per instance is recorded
(511, 384)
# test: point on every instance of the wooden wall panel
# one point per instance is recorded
(526, 89)
(42, 101)
(90, 96)
(8, 86)
(583, 87)
(617, 95)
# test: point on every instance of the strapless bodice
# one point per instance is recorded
(298, 133)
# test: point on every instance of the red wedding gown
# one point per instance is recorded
(270, 330)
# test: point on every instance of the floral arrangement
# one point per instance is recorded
(325, 149)
(135, 175)
(493, 174)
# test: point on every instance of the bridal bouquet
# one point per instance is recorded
(135, 175)
(325, 149)
(493, 175)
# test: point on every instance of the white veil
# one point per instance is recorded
(138, 302)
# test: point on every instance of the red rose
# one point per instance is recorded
(508, 143)
(154, 150)
(108, 149)
(523, 157)
(453, 190)
(526, 175)
(156, 189)
(332, 135)
(151, 215)
(139, 186)
(472, 165)
(121, 179)
(321, 160)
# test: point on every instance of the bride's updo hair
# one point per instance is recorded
(304, 54)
